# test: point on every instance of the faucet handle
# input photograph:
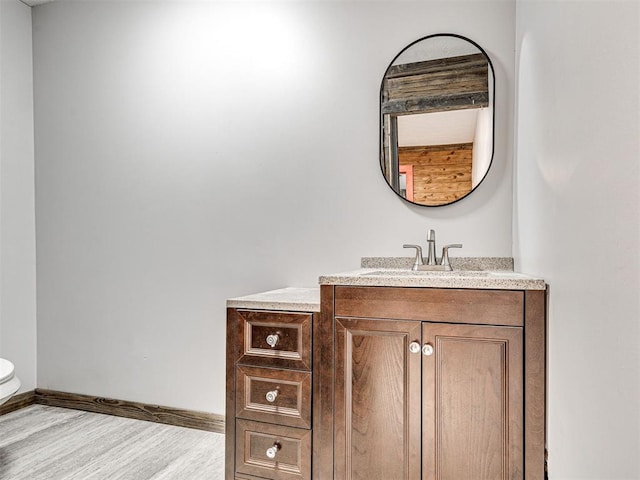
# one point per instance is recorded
(445, 254)
(418, 261)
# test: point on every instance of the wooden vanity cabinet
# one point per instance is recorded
(433, 384)
(389, 383)
(268, 429)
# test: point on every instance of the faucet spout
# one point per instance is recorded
(431, 243)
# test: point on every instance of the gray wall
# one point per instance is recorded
(191, 152)
(577, 223)
(17, 220)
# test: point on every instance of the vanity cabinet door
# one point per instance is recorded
(472, 402)
(377, 399)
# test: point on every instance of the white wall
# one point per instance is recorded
(191, 152)
(577, 223)
(17, 222)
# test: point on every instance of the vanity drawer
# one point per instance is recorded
(482, 307)
(274, 339)
(292, 448)
(274, 396)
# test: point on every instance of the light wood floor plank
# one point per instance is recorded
(50, 443)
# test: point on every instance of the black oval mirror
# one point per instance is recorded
(437, 120)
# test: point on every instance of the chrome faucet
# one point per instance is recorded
(433, 263)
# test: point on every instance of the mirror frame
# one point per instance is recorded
(394, 119)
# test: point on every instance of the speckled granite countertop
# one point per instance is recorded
(457, 263)
(480, 279)
(489, 273)
(284, 299)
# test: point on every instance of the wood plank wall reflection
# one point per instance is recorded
(441, 173)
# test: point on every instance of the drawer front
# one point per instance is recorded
(275, 396)
(275, 339)
(292, 448)
(483, 307)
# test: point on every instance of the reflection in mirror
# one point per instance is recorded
(437, 120)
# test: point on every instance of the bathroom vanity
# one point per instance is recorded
(388, 373)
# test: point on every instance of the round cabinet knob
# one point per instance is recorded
(272, 340)
(427, 350)
(414, 347)
(272, 451)
(271, 396)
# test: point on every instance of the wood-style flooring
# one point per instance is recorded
(50, 443)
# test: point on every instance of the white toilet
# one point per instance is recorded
(9, 383)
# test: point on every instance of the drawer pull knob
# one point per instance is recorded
(272, 451)
(272, 340)
(271, 396)
(427, 350)
(414, 347)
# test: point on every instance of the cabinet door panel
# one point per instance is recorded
(472, 403)
(377, 400)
